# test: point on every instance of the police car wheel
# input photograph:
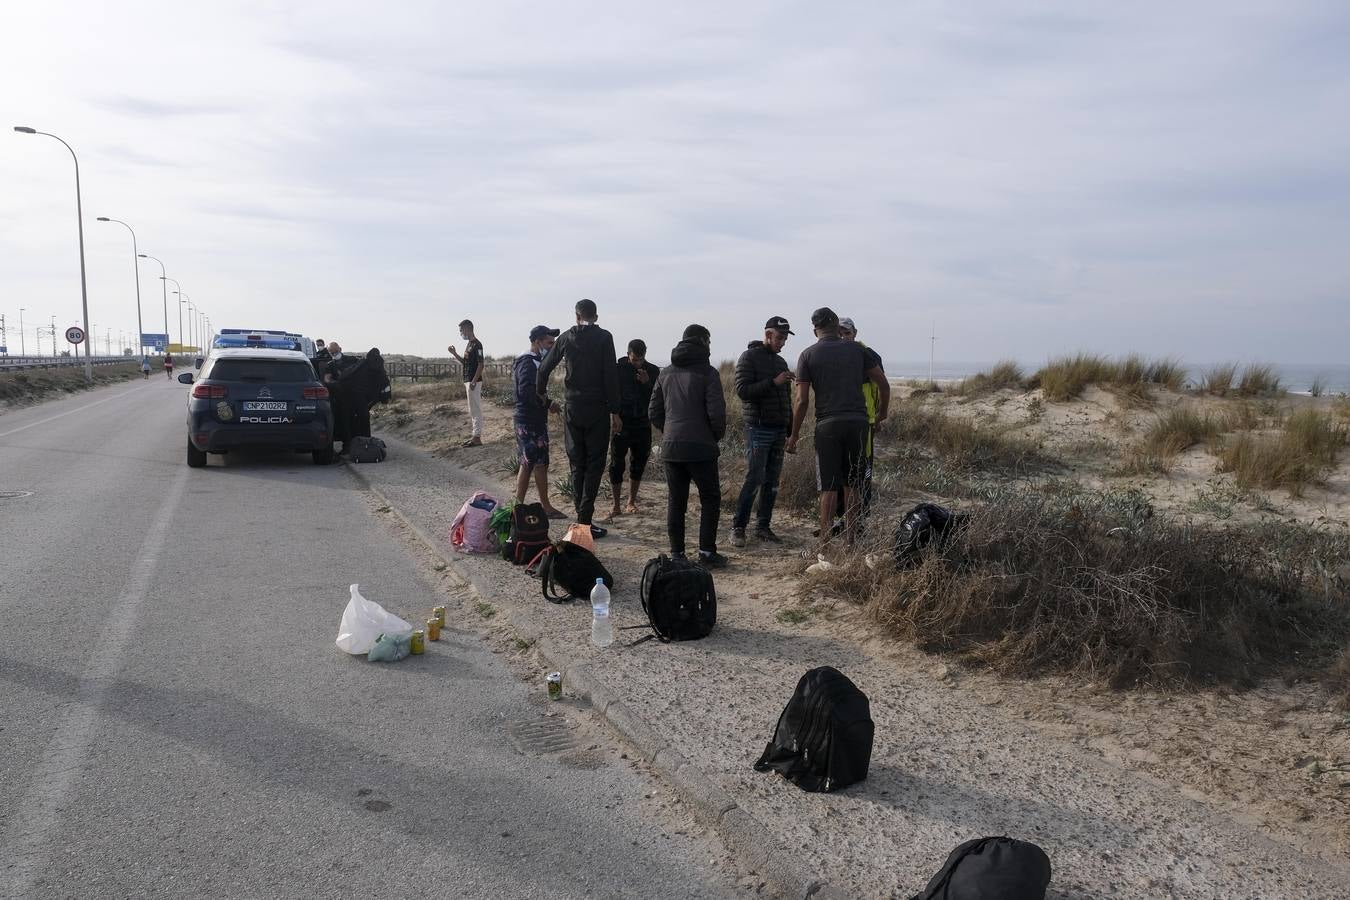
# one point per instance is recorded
(323, 457)
(195, 458)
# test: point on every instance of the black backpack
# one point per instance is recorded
(568, 571)
(924, 526)
(989, 868)
(679, 599)
(366, 450)
(529, 533)
(823, 741)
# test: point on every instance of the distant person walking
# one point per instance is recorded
(835, 369)
(591, 416)
(689, 408)
(168, 366)
(531, 419)
(145, 368)
(848, 331)
(473, 364)
(763, 384)
(637, 378)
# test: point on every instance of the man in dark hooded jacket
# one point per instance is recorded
(637, 379)
(689, 408)
(591, 416)
(361, 386)
(763, 382)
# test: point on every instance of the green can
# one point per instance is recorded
(554, 685)
(419, 642)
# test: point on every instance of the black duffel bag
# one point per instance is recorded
(991, 868)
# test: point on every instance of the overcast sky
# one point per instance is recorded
(1038, 178)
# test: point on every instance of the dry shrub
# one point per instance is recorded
(1340, 408)
(1307, 445)
(1171, 434)
(1065, 378)
(1318, 386)
(1004, 374)
(960, 443)
(35, 384)
(1168, 372)
(1259, 380)
(1096, 585)
(1218, 380)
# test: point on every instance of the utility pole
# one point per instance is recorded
(932, 350)
(23, 348)
(2, 333)
(53, 337)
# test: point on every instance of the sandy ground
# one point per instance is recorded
(1201, 794)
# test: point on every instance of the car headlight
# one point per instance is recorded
(224, 411)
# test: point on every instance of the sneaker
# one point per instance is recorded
(598, 531)
(767, 536)
(738, 537)
(473, 442)
(680, 556)
(711, 559)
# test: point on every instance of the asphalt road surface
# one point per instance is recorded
(175, 719)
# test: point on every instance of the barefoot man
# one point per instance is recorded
(531, 420)
(637, 377)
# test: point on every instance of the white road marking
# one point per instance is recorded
(69, 412)
(28, 840)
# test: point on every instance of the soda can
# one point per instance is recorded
(554, 685)
(419, 642)
(433, 630)
(439, 613)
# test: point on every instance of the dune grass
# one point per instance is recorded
(1307, 445)
(1170, 434)
(1005, 374)
(1218, 380)
(1259, 380)
(1065, 378)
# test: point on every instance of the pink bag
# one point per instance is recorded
(471, 532)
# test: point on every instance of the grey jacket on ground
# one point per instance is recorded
(688, 406)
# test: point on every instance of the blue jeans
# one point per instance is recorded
(764, 464)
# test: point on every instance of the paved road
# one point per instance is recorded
(176, 721)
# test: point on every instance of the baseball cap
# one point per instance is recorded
(542, 331)
(778, 323)
(847, 324)
(824, 317)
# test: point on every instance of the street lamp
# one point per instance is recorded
(135, 264)
(164, 288)
(79, 221)
(180, 307)
(23, 350)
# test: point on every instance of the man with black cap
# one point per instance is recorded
(637, 377)
(531, 420)
(835, 370)
(592, 412)
(762, 377)
(689, 408)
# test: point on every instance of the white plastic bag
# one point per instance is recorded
(363, 621)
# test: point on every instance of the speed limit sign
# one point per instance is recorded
(75, 334)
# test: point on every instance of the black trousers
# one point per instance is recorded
(678, 477)
(587, 442)
(634, 441)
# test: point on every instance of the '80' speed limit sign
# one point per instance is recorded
(75, 334)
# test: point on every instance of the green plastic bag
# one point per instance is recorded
(390, 648)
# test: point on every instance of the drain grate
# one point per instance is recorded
(14, 495)
(544, 735)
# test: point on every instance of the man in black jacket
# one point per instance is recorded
(531, 419)
(689, 408)
(592, 414)
(637, 378)
(763, 384)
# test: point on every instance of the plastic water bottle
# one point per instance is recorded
(602, 627)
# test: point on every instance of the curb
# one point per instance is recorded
(739, 829)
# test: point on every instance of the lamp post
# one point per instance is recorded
(180, 307)
(23, 348)
(79, 221)
(164, 288)
(135, 264)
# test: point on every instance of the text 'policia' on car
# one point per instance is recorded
(258, 396)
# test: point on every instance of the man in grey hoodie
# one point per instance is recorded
(691, 412)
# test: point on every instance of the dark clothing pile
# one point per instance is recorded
(688, 405)
(591, 383)
(766, 405)
(634, 396)
(359, 385)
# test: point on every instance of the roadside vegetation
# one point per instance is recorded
(34, 385)
(1299, 453)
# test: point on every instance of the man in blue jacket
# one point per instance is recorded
(531, 420)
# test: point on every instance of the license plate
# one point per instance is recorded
(264, 406)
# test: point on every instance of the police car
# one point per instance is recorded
(263, 394)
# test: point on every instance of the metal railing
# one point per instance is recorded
(17, 363)
(418, 370)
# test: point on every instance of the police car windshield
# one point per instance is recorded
(263, 371)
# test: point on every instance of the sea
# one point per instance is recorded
(1298, 378)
